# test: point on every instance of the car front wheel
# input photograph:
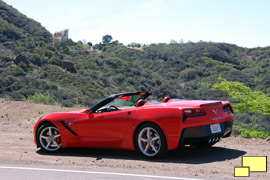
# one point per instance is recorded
(150, 141)
(49, 138)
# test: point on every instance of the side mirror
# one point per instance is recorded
(89, 112)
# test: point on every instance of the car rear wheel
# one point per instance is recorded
(150, 141)
(49, 138)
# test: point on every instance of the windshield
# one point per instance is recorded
(125, 101)
(119, 102)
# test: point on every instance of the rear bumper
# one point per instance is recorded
(199, 134)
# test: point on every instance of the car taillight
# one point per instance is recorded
(194, 112)
(227, 108)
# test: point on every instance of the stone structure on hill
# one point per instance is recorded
(68, 65)
(21, 59)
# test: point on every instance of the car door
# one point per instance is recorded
(103, 129)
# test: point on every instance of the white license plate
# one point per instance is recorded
(215, 128)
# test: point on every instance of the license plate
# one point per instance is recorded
(215, 128)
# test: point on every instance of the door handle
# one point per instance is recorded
(129, 112)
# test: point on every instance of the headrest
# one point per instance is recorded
(140, 103)
(166, 99)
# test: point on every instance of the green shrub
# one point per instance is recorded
(252, 133)
(188, 74)
(18, 71)
(55, 61)
(39, 98)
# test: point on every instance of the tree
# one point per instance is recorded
(80, 42)
(246, 100)
(106, 39)
(89, 44)
(98, 46)
(133, 44)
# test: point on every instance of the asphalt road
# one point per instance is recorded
(30, 173)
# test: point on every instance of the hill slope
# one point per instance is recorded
(177, 70)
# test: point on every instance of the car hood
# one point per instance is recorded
(78, 111)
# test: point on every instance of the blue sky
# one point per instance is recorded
(245, 23)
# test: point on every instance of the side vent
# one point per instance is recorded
(68, 128)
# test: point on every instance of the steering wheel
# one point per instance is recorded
(112, 106)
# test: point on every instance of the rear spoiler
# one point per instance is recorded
(211, 104)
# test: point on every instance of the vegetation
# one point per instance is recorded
(106, 39)
(245, 101)
(175, 69)
(248, 101)
(252, 133)
(39, 98)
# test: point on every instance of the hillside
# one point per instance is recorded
(177, 70)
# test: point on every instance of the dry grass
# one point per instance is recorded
(19, 112)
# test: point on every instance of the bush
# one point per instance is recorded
(55, 61)
(188, 74)
(252, 133)
(18, 71)
(39, 98)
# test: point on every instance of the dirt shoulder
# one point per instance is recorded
(18, 149)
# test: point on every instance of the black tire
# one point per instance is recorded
(150, 141)
(49, 138)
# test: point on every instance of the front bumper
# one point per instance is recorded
(195, 135)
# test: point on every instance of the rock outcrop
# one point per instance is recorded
(68, 65)
(21, 59)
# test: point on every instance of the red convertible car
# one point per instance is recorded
(128, 121)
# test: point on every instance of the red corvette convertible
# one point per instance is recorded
(128, 121)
